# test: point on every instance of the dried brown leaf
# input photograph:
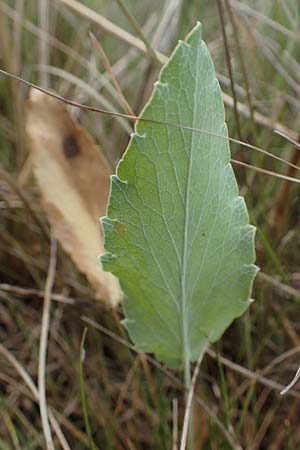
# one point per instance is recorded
(73, 178)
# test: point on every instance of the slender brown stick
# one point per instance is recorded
(228, 62)
(162, 123)
(30, 292)
(137, 29)
(188, 408)
(243, 68)
(99, 49)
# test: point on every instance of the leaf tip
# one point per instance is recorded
(195, 35)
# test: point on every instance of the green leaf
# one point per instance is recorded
(177, 233)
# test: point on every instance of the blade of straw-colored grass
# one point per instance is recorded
(250, 374)
(29, 292)
(288, 291)
(280, 359)
(11, 429)
(230, 439)
(43, 49)
(108, 68)
(168, 24)
(292, 383)
(43, 346)
(30, 384)
(272, 55)
(171, 124)
(229, 67)
(278, 214)
(10, 62)
(175, 424)
(243, 8)
(266, 172)
(288, 138)
(152, 53)
(259, 118)
(89, 90)
(83, 392)
(243, 68)
(125, 386)
(289, 14)
(109, 26)
(17, 38)
(42, 35)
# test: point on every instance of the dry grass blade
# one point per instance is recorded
(292, 383)
(110, 27)
(288, 138)
(74, 181)
(175, 424)
(32, 387)
(284, 289)
(28, 292)
(229, 66)
(108, 68)
(139, 32)
(43, 346)
(251, 375)
(123, 35)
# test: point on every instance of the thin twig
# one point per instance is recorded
(283, 288)
(137, 29)
(292, 383)
(43, 346)
(288, 138)
(99, 49)
(163, 123)
(43, 49)
(29, 292)
(189, 402)
(251, 375)
(110, 27)
(32, 387)
(266, 172)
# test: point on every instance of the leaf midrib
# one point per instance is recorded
(184, 324)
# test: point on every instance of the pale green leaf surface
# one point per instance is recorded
(177, 233)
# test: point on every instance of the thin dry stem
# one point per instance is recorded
(229, 67)
(32, 387)
(43, 346)
(43, 7)
(175, 424)
(171, 124)
(99, 49)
